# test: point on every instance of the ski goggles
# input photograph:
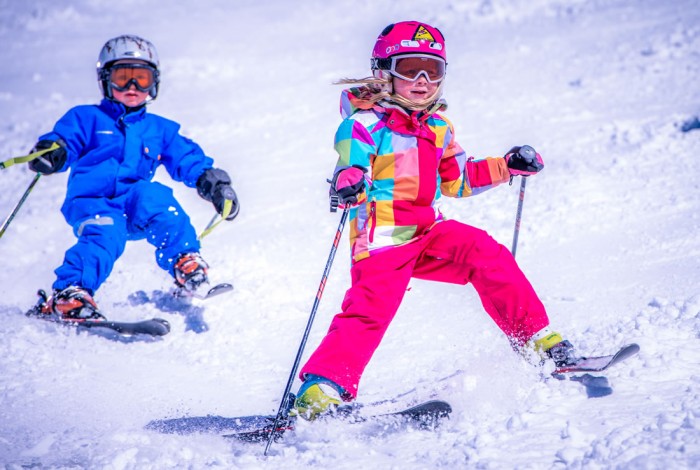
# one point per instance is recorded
(411, 66)
(142, 76)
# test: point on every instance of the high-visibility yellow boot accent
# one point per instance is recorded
(316, 400)
(545, 343)
(550, 345)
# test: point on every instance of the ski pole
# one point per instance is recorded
(529, 154)
(282, 411)
(519, 214)
(14, 161)
(12, 215)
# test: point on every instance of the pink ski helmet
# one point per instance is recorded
(405, 38)
(409, 37)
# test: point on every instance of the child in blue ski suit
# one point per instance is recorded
(113, 150)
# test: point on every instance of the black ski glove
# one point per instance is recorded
(50, 162)
(214, 185)
(524, 161)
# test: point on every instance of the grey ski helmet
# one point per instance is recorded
(123, 47)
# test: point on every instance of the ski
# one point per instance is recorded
(152, 327)
(248, 428)
(596, 386)
(599, 363)
(218, 289)
(426, 415)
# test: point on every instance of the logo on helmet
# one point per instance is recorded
(422, 34)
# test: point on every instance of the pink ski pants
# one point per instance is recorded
(450, 252)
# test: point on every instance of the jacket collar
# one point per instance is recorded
(355, 99)
(119, 112)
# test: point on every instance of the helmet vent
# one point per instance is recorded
(387, 30)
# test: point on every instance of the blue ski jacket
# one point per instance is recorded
(109, 150)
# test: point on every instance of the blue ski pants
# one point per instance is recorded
(148, 210)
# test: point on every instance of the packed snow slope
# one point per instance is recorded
(606, 90)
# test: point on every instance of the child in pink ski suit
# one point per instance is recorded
(397, 157)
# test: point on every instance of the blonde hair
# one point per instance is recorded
(377, 91)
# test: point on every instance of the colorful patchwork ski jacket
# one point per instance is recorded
(411, 159)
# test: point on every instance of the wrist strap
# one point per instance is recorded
(228, 205)
(28, 158)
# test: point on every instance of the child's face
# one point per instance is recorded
(417, 90)
(132, 97)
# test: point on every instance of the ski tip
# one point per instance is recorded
(214, 291)
(626, 351)
(161, 327)
(219, 289)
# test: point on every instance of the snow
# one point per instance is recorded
(602, 89)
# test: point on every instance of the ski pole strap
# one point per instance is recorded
(28, 158)
(228, 205)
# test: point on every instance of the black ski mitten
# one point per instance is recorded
(214, 185)
(50, 162)
(524, 161)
